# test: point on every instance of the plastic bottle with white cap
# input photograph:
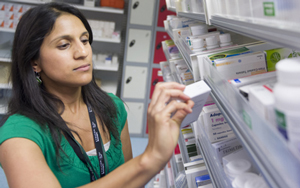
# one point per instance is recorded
(287, 101)
(199, 29)
(212, 42)
(198, 45)
(240, 180)
(257, 182)
(236, 167)
(225, 40)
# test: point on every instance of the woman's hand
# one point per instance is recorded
(164, 129)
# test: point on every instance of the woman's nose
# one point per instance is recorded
(80, 51)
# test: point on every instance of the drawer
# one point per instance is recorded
(135, 116)
(138, 46)
(156, 77)
(142, 12)
(134, 82)
(159, 54)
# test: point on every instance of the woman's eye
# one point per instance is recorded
(63, 46)
(85, 41)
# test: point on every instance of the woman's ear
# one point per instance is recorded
(35, 66)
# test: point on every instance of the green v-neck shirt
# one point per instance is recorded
(72, 171)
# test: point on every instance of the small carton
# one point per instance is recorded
(198, 92)
(215, 125)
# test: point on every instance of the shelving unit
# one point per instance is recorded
(106, 67)
(269, 151)
(110, 75)
(5, 86)
(81, 7)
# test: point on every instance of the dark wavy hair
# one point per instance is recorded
(31, 99)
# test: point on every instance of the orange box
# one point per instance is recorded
(112, 3)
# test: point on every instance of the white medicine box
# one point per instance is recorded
(215, 125)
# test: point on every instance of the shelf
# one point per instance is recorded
(213, 166)
(5, 86)
(6, 60)
(105, 67)
(80, 7)
(268, 149)
(109, 86)
(111, 40)
(9, 30)
(265, 32)
(196, 16)
(173, 9)
(190, 57)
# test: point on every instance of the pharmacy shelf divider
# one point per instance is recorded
(210, 164)
(196, 16)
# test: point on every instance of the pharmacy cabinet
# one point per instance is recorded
(158, 49)
(138, 45)
(135, 116)
(135, 82)
(156, 77)
(142, 12)
(163, 12)
(141, 44)
(276, 162)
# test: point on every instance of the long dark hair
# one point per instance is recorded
(31, 99)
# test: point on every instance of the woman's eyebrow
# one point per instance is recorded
(68, 37)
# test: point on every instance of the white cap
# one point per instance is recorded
(211, 41)
(199, 29)
(288, 71)
(257, 182)
(241, 179)
(237, 167)
(198, 43)
(225, 38)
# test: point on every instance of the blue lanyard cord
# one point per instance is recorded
(103, 163)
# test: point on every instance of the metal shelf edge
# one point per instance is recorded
(274, 35)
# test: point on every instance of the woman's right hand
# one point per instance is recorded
(163, 129)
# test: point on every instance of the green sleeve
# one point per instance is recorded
(18, 126)
(121, 111)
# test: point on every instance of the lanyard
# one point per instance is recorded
(99, 148)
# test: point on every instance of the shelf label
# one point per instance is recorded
(247, 119)
(269, 9)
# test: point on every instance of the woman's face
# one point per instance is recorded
(65, 55)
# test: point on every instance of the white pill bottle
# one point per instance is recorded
(287, 100)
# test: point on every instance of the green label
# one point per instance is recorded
(247, 119)
(269, 9)
(280, 119)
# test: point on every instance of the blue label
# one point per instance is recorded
(237, 81)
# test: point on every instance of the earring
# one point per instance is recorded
(38, 77)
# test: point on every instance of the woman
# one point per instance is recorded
(58, 116)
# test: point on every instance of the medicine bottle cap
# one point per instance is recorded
(288, 71)
(212, 42)
(225, 39)
(257, 182)
(199, 29)
(238, 166)
(241, 179)
(198, 43)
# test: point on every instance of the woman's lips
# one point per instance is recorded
(83, 68)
